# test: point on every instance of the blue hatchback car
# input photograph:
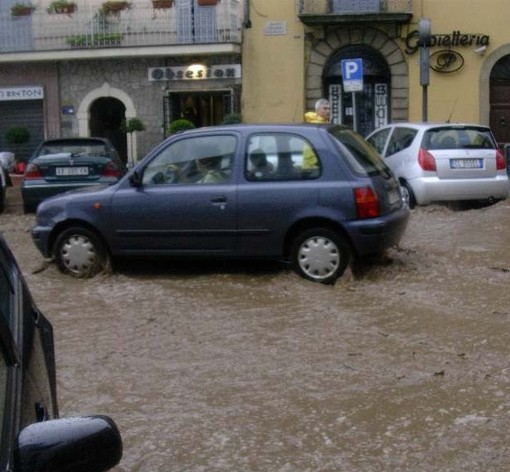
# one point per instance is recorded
(313, 195)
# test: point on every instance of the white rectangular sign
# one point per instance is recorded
(352, 75)
(21, 93)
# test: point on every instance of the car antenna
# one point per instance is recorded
(453, 109)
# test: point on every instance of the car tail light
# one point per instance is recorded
(111, 170)
(367, 204)
(426, 160)
(500, 160)
(32, 172)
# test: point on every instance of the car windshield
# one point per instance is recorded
(361, 157)
(74, 149)
(458, 137)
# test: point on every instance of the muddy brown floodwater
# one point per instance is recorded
(403, 365)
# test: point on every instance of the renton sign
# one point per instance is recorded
(21, 93)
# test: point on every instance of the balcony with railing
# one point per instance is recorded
(321, 12)
(142, 23)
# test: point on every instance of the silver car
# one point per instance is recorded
(443, 161)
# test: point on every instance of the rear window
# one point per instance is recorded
(75, 149)
(361, 157)
(456, 137)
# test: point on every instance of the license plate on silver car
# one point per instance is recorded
(71, 171)
(466, 163)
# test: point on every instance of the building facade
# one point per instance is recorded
(468, 73)
(84, 72)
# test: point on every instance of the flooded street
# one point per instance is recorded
(403, 365)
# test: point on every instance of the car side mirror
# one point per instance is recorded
(135, 179)
(82, 444)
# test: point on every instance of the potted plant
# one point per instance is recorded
(22, 9)
(62, 7)
(16, 136)
(231, 119)
(207, 3)
(94, 40)
(114, 7)
(162, 3)
(131, 126)
(180, 125)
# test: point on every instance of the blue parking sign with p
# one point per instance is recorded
(352, 74)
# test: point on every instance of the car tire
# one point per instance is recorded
(80, 253)
(407, 195)
(320, 255)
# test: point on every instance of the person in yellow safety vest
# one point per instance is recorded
(320, 115)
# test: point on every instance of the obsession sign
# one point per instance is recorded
(195, 72)
(455, 39)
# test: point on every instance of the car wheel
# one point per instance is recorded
(80, 253)
(407, 195)
(320, 254)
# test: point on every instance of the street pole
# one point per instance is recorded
(424, 31)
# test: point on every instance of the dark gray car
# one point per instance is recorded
(33, 437)
(314, 195)
(60, 165)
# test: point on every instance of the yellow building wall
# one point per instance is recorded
(458, 94)
(273, 64)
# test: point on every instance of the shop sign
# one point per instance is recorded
(446, 61)
(21, 93)
(455, 39)
(195, 72)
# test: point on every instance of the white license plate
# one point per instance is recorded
(466, 163)
(66, 171)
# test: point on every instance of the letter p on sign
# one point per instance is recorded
(352, 75)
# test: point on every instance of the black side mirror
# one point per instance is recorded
(135, 179)
(83, 444)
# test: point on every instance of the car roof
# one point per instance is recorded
(433, 124)
(248, 127)
(75, 140)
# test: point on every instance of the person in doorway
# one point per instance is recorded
(320, 115)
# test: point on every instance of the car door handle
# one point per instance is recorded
(219, 199)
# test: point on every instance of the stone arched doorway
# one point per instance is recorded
(85, 110)
(385, 65)
(366, 110)
(107, 115)
(500, 100)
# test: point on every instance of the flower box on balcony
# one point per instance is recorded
(114, 7)
(207, 3)
(22, 9)
(64, 7)
(162, 3)
(96, 40)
